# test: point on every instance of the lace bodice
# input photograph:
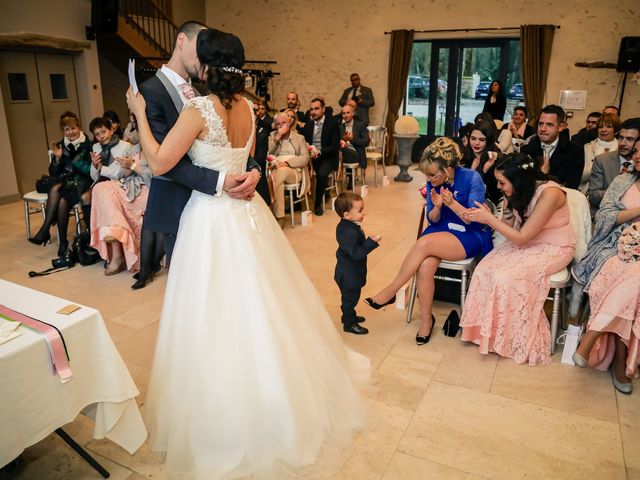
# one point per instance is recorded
(215, 151)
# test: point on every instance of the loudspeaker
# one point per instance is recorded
(104, 16)
(629, 55)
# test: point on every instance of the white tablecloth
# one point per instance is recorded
(33, 401)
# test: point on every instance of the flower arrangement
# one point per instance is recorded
(629, 243)
(313, 151)
(406, 125)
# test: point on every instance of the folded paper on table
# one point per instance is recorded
(8, 330)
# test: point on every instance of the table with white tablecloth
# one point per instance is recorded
(33, 400)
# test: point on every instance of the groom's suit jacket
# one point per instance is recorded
(170, 192)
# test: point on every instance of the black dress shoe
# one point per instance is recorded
(424, 340)
(318, 212)
(369, 301)
(63, 248)
(360, 319)
(142, 280)
(136, 275)
(44, 240)
(355, 329)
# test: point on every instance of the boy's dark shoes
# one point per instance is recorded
(360, 319)
(355, 329)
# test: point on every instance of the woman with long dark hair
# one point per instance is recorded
(250, 376)
(503, 312)
(496, 102)
(481, 154)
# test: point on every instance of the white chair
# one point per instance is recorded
(354, 171)
(377, 150)
(333, 183)
(33, 197)
(465, 267)
(291, 190)
(581, 224)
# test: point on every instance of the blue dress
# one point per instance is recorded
(467, 189)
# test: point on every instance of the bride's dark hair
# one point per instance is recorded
(217, 50)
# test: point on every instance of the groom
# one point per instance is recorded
(165, 94)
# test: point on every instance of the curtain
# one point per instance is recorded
(535, 53)
(399, 63)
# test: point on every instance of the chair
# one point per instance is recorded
(465, 267)
(352, 169)
(581, 224)
(292, 189)
(333, 184)
(33, 197)
(377, 150)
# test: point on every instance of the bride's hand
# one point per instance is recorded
(136, 103)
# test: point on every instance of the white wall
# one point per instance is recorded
(318, 44)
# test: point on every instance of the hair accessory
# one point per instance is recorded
(231, 69)
(524, 166)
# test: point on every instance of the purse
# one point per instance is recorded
(45, 182)
(85, 254)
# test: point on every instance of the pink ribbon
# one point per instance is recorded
(53, 337)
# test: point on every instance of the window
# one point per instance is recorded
(58, 86)
(18, 90)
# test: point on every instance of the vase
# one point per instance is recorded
(405, 147)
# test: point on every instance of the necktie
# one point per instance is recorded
(188, 91)
(546, 149)
(626, 167)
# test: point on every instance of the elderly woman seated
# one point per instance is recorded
(610, 274)
(289, 158)
(608, 127)
(119, 202)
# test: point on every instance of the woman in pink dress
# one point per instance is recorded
(611, 341)
(504, 311)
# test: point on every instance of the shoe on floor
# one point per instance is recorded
(355, 329)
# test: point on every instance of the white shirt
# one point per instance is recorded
(177, 81)
(550, 147)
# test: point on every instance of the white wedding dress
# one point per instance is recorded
(250, 377)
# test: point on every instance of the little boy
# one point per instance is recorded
(351, 266)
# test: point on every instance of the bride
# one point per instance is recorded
(250, 376)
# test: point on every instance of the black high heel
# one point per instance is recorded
(424, 340)
(369, 301)
(46, 240)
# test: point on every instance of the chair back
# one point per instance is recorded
(580, 217)
(377, 139)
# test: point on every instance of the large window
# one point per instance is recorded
(449, 81)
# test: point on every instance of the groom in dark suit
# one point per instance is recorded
(165, 94)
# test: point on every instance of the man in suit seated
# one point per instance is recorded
(293, 103)
(363, 96)
(608, 166)
(589, 132)
(322, 132)
(354, 140)
(556, 154)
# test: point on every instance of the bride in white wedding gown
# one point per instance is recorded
(250, 376)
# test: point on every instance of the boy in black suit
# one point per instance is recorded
(351, 256)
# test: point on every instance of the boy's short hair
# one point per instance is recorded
(345, 201)
(99, 122)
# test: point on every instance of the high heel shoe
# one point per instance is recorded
(625, 388)
(369, 301)
(46, 240)
(143, 280)
(424, 340)
(579, 360)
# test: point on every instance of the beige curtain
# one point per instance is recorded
(535, 53)
(399, 63)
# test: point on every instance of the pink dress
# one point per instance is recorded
(614, 299)
(504, 309)
(112, 214)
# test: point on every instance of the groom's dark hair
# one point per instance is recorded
(190, 28)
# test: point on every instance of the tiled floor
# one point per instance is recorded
(444, 410)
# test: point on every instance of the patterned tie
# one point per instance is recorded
(626, 167)
(188, 91)
(546, 158)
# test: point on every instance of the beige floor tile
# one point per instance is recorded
(501, 438)
(406, 467)
(143, 462)
(571, 389)
(463, 365)
(629, 411)
(140, 346)
(633, 473)
(52, 459)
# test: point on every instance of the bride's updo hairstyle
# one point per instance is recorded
(223, 54)
(523, 173)
(442, 152)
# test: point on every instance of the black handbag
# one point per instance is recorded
(45, 182)
(85, 254)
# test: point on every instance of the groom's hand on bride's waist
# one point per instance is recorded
(241, 186)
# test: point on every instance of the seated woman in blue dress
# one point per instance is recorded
(450, 191)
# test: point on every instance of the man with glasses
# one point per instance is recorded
(608, 166)
(589, 132)
(363, 96)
